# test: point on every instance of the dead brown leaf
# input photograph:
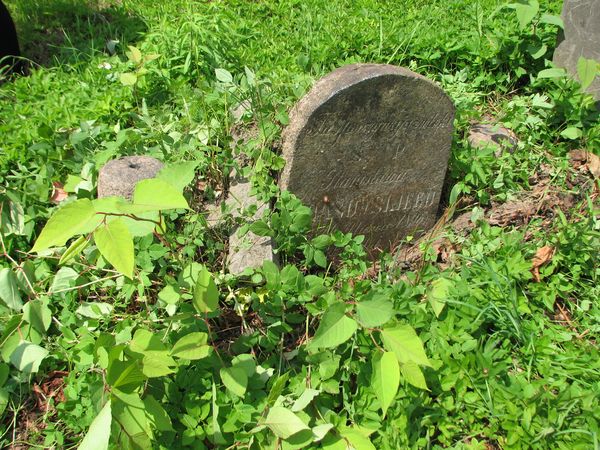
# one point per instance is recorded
(58, 193)
(587, 160)
(542, 256)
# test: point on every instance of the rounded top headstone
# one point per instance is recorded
(119, 176)
(367, 148)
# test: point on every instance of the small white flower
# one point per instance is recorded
(105, 65)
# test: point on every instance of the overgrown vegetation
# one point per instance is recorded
(130, 333)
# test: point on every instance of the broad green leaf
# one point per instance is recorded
(526, 10)
(27, 357)
(438, 294)
(155, 195)
(64, 279)
(134, 55)
(245, 362)
(157, 364)
(320, 431)
(283, 422)
(9, 290)
(94, 310)
(144, 341)
(404, 342)
(302, 402)
(335, 328)
(179, 175)
(98, 434)
(115, 243)
(37, 313)
(271, 272)
(124, 373)
(385, 379)
(552, 20)
(4, 371)
(223, 76)
(357, 439)
(235, 380)
(76, 247)
(156, 414)
(129, 411)
(192, 346)
(277, 388)
(65, 223)
(376, 312)
(413, 375)
(128, 78)
(554, 72)
(4, 398)
(206, 294)
(571, 133)
(587, 69)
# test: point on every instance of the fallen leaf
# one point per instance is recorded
(58, 193)
(542, 256)
(588, 160)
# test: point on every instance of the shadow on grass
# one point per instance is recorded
(57, 32)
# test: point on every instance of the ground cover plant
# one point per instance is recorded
(120, 327)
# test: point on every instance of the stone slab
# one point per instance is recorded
(248, 250)
(367, 148)
(119, 176)
(482, 135)
(581, 37)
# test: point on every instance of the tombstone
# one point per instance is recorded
(9, 44)
(367, 149)
(581, 37)
(484, 135)
(119, 176)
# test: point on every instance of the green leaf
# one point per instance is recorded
(124, 373)
(404, 342)
(586, 70)
(65, 223)
(129, 411)
(320, 431)
(98, 434)
(37, 313)
(375, 312)
(277, 388)
(271, 272)
(554, 72)
(413, 375)
(206, 294)
(223, 76)
(9, 290)
(385, 379)
(571, 133)
(128, 78)
(76, 247)
(192, 346)
(179, 175)
(94, 310)
(302, 402)
(115, 243)
(438, 294)
(357, 439)
(335, 328)
(134, 55)
(27, 357)
(551, 19)
(526, 10)
(235, 380)
(283, 422)
(157, 364)
(156, 415)
(155, 195)
(4, 398)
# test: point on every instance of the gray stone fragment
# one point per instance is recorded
(483, 135)
(119, 176)
(581, 37)
(249, 250)
(367, 149)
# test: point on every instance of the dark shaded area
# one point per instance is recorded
(9, 44)
(54, 32)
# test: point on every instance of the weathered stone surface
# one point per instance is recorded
(249, 250)
(119, 176)
(581, 37)
(483, 135)
(367, 148)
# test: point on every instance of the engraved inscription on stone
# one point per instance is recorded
(367, 148)
(581, 37)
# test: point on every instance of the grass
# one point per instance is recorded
(513, 362)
